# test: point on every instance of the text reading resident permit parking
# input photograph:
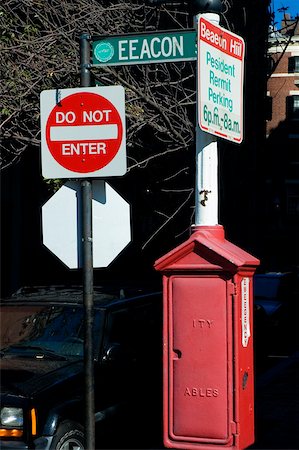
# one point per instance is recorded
(221, 65)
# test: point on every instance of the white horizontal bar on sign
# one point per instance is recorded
(83, 132)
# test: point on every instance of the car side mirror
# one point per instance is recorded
(119, 354)
(114, 353)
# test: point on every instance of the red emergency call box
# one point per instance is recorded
(208, 374)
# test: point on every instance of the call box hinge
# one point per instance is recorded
(234, 426)
(232, 288)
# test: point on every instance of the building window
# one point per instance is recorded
(294, 64)
(270, 64)
(293, 107)
(269, 105)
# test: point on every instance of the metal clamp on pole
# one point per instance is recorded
(87, 252)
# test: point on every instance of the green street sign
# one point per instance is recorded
(147, 48)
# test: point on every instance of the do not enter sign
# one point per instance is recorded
(83, 132)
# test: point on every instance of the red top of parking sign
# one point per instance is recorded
(84, 132)
(221, 39)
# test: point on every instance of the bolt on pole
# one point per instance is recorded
(87, 252)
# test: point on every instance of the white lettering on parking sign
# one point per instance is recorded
(220, 82)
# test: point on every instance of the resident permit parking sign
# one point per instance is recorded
(83, 132)
(220, 71)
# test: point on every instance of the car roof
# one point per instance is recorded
(103, 296)
(273, 275)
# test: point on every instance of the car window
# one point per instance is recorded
(266, 288)
(55, 328)
(134, 328)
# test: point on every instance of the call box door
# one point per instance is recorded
(200, 360)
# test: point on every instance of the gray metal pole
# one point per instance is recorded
(87, 252)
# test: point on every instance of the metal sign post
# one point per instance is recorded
(206, 186)
(83, 136)
(219, 107)
(87, 252)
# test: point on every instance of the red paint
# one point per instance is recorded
(87, 155)
(207, 372)
(221, 39)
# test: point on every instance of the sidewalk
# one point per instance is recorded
(277, 412)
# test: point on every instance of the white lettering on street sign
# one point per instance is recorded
(165, 46)
(220, 81)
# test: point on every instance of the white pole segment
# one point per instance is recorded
(206, 193)
(206, 185)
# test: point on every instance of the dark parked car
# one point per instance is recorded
(42, 371)
(273, 291)
(275, 311)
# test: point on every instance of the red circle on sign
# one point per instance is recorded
(84, 132)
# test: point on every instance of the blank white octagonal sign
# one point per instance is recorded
(62, 224)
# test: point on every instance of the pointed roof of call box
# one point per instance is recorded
(206, 249)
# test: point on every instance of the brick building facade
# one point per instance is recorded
(283, 84)
(281, 165)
